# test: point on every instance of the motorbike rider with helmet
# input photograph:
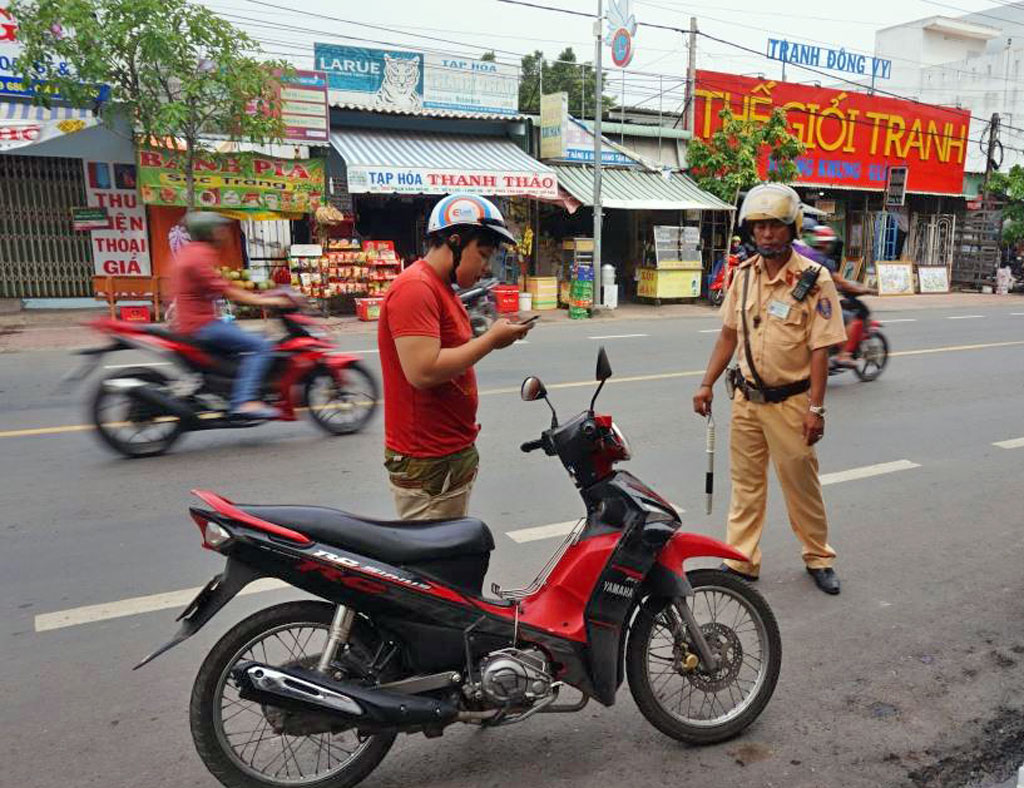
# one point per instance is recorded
(781, 314)
(820, 239)
(427, 353)
(196, 286)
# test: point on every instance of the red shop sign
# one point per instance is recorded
(851, 138)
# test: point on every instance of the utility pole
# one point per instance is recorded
(599, 109)
(691, 77)
(993, 141)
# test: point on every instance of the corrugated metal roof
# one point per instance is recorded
(430, 113)
(638, 190)
(432, 150)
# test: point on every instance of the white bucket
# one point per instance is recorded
(525, 302)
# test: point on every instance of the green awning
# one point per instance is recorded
(637, 190)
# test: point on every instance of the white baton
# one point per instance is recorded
(709, 477)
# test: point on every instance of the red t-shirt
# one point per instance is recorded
(430, 422)
(195, 285)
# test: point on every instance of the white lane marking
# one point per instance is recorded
(361, 352)
(539, 532)
(1017, 314)
(867, 471)
(1016, 443)
(141, 604)
(618, 336)
(710, 331)
(898, 320)
(139, 364)
(964, 317)
(521, 342)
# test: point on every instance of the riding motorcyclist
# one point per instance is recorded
(820, 240)
(196, 285)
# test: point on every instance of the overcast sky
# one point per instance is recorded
(470, 28)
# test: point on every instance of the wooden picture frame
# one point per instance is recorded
(851, 270)
(895, 278)
(933, 278)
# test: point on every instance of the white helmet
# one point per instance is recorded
(773, 201)
(468, 210)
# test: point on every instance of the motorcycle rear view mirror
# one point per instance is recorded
(604, 371)
(533, 390)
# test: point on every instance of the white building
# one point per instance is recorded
(973, 62)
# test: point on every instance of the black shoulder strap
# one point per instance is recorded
(746, 332)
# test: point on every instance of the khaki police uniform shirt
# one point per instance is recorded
(788, 331)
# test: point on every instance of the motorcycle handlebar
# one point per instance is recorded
(532, 445)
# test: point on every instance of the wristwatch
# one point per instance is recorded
(817, 410)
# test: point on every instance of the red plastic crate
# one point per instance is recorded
(507, 297)
(135, 314)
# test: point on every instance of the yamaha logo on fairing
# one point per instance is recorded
(618, 589)
(384, 574)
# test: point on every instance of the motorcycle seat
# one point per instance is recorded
(396, 542)
(166, 333)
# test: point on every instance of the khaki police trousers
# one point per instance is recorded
(775, 430)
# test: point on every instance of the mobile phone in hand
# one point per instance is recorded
(530, 321)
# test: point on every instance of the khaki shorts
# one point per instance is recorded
(432, 488)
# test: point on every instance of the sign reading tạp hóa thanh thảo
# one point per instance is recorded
(245, 182)
(852, 138)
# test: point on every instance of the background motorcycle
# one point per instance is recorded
(314, 693)
(872, 354)
(481, 304)
(141, 411)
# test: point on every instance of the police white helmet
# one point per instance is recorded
(773, 201)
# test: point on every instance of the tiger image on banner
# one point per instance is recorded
(400, 89)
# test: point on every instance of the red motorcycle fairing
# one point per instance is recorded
(135, 333)
(683, 546)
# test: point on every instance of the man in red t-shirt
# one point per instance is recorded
(427, 353)
(196, 285)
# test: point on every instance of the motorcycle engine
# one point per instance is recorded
(513, 676)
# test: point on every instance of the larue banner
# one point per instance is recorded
(244, 183)
(852, 138)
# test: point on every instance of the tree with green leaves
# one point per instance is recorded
(1008, 187)
(178, 70)
(564, 75)
(727, 163)
(489, 56)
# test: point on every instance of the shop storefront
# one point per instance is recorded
(390, 177)
(855, 144)
(44, 156)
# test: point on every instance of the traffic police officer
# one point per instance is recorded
(780, 316)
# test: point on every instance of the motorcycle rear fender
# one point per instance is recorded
(217, 593)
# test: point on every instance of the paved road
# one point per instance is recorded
(909, 677)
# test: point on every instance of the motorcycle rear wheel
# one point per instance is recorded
(121, 420)
(750, 649)
(294, 632)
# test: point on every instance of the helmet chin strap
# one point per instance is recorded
(456, 250)
(771, 252)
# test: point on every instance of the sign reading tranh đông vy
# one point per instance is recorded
(852, 139)
(832, 59)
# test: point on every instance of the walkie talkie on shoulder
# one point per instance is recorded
(807, 280)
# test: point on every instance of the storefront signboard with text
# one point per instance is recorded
(122, 249)
(302, 96)
(852, 138)
(461, 85)
(18, 132)
(249, 183)
(417, 180)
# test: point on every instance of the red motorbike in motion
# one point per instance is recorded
(140, 411)
(314, 693)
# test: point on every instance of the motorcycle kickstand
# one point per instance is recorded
(341, 628)
(680, 612)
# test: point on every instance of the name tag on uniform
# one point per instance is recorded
(778, 309)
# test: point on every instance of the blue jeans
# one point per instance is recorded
(256, 354)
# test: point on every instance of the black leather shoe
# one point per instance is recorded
(724, 567)
(826, 579)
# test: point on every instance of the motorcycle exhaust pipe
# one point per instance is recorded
(365, 707)
(144, 390)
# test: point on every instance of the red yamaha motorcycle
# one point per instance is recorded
(140, 411)
(314, 693)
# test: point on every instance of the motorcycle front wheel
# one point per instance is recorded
(236, 738)
(344, 407)
(872, 357)
(681, 696)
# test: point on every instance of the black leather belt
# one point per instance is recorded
(771, 395)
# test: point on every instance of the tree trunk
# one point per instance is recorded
(732, 224)
(190, 177)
